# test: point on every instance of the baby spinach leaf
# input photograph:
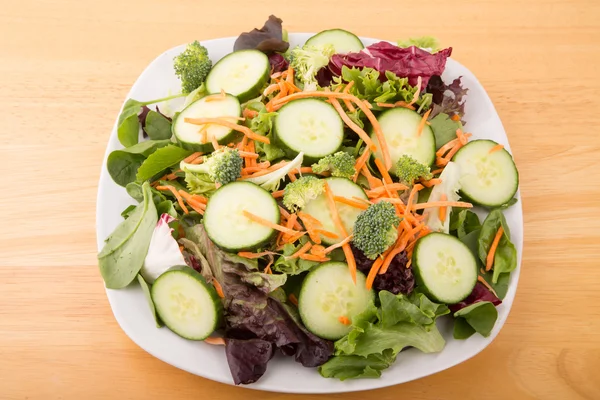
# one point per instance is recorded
(509, 203)
(166, 207)
(501, 286)
(480, 317)
(125, 249)
(160, 160)
(122, 165)
(444, 129)
(157, 126)
(505, 258)
(125, 213)
(134, 189)
(463, 222)
(146, 289)
(128, 131)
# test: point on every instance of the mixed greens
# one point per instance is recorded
(312, 201)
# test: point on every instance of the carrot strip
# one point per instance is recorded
(251, 170)
(304, 249)
(292, 298)
(351, 203)
(430, 204)
(270, 89)
(328, 234)
(192, 201)
(448, 146)
(292, 177)
(218, 341)
(387, 161)
(251, 255)
(248, 113)
(350, 260)
(264, 222)
(384, 173)
(347, 103)
(431, 182)
(343, 319)
(236, 127)
(373, 272)
(496, 148)
(378, 191)
(422, 123)
(268, 170)
(357, 129)
(335, 216)
(373, 182)
(411, 197)
(192, 157)
(277, 194)
(176, 194)
(417, 92)
(218, 288)
(312, 257)
(214, 142)
(249, 154)
(490, 257)
(455, 118)
(338, 245)
(487, 285)
(364, 201)
(318, 250)
(443, 209)
(361, 162)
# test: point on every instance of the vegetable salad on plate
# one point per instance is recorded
(315, 202)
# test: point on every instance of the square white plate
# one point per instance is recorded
(283, 374)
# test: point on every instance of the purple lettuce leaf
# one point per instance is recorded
(479, 293)
(278, 62)
(142, 118)
(410, 62)
(248, 358)
(397, 279)
(268, 39)
(447, 99)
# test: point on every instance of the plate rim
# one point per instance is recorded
(383, 381)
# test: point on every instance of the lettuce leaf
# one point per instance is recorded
(268, 39)
(479, 317)
(424, 42)
(505, 258)
(378, 335)
(447, 99)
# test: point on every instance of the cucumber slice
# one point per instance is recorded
(400, 128)
(242, 74)
(207, 107)
(226, 224)
(186, 303)
(342, 41)
(487, 179)
(310, 126)
(444, 268)
(319, 209)
(327, 294)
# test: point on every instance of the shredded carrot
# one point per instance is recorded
(251, 170)
(236, 127)
(337, 245)
(489, 261)
(384, 172)
(218, 341)
(287, 216)
(347, 103)
(277, 194)
(248, 113)
(357, 129)
(496, 148)
(445, 148)
(249, 154)
(343, 319)
(364, 201)
(292, 221)
(361, 162)
(267, 269)
(412, 194)
(417, 92)
(373, 272)
(328, 234)
(214, 142)
(437, 171)
(423, 121)
(177, 196)
(270, 89)
(292, 298)
(192, 157)
(487, 285)
(302, 250)
(455, 118)
(265, 171)
(291, 176)
(378, 191)
(251, 255)
(351, 203)
(318, 250)
(396, 104)
(462, 138)
(267, 223)
(387, 161)
(350, 260)
(195, 204)
(431, 182)
(373, 182)
(443, 209)
(218, 288)
(335, 216)
(430, 204)
(293, 238)
(312, 257)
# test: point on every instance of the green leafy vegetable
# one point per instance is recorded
(340, 164)
(510, 203)
(367, 85)
(444, 129)
(463, 222)
(192, 66)
(166, 207)
(125, 249)
(377, 337)
(292, 266)
(125, 213)
(479, 317)
(146, 289)
(158, 127)
(408, 170)
(425, 42)
(122, 165)
(307, 61)
(501, 286)
(298, 193)
(375, 229)
(160, 160)
(505, 259)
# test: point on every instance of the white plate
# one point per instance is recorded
(283, 374)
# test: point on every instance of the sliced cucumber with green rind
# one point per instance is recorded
(319, 209)
(186, 304)
(487, 179)
(328, 296)
(444, 267)
(310, 126)
(226, 224)
(400, 127)
(242, 74)
(341, 40)
(213, 106)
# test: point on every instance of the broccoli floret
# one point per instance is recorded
(375, 229)
(297, 194)
(408, 170)
(307, 61)
(192, 66)
(340, 164)
(222, 167)
(272, 180)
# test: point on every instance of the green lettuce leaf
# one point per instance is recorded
(292, 266)
(444, 129)
(479, 317)
(352, 367)
(425, 42)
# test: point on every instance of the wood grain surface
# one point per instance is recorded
(65, 68)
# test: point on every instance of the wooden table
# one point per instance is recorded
(65, 68)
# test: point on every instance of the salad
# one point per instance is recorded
(315, 202)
